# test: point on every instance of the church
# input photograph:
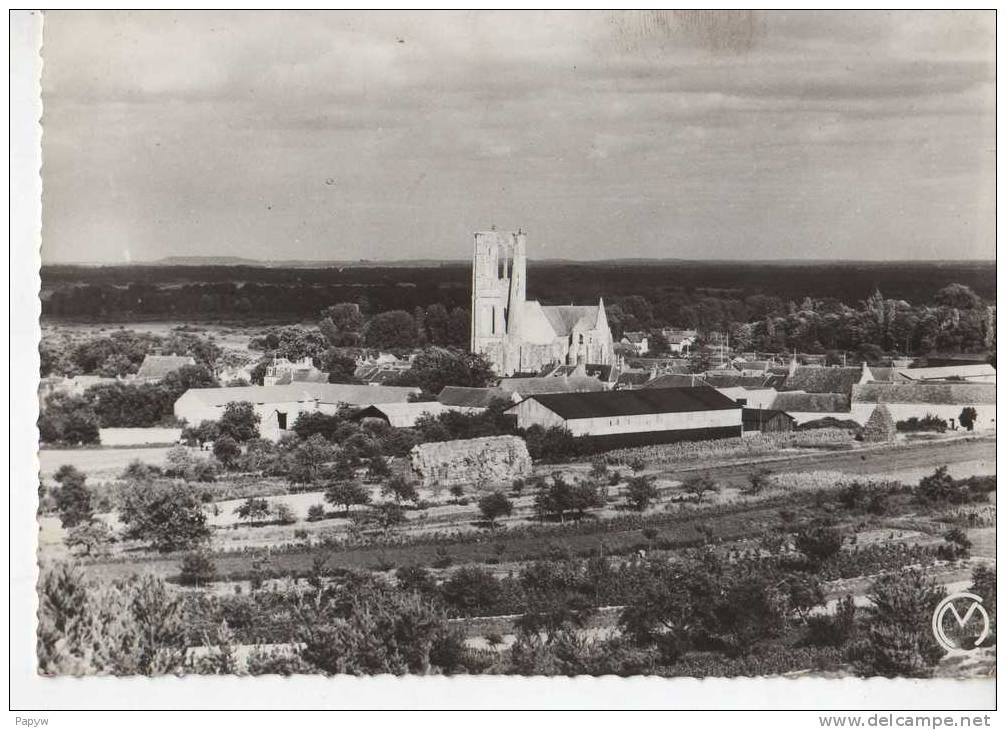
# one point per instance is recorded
(521, 336)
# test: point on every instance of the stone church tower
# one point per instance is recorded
(517, 335)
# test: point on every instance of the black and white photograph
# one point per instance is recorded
(655, 343)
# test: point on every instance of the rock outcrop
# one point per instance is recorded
(491, 460)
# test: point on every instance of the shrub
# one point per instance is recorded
(758, 482)
(956, 544)
(927, 423)
(400, 488)
(316, 513)
(443, 559)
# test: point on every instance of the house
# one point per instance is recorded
(155, 367)
(968, 372)
(618, 418)
(607, 374)
(75, 386)
(944, 400)
(836, 379)
(750, 397)
(525, 387)
(804, 407)
(680, 342)
(283, 372)
(633, 379)
(765, 420)
(405, 415)
(675, 380)
(474, 398)
(637, 342)
(278, 406)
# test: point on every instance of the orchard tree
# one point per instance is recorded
(347, 494)
(495, 505)
(169, 516)
(73, 498)
(640, 492)
(89, 538)
(198, 568)
(253, 509)
(699, 485)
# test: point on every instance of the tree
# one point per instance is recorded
(968, 417)
(227, 451)
(436, 367)
(73, 498)
(68, 420)
(205, 432)
(347, 494)
(167, 515)
(198, 568)
(400, 489)
(308, 461)
(898, 639)
(341, 324)
(90, 538)
(394, 329)
(316, 512)
(699, 485)
(561, 498)
(239, 421)
(415, 579)
(253, 509)
(640, 492)
(340, 367)
(495, 505)
(283, 513)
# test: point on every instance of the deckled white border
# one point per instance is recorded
(35, 696)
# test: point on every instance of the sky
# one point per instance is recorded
(390, 135)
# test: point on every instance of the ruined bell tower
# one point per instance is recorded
(499, 281)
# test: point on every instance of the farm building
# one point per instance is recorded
(279, 405)
(675, 380)
(475, 398)
(635, 417)
(155, 367)
(969, 372)
(637, 342)
(526, 387)
(944, 400)
(757, 420)
(282, 371)
(804, 407)
(405, 415)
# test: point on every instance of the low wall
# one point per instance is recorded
(139, 436)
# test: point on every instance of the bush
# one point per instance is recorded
(956, 545)
(316, 513)
(929, 423)
(758, 482)
(818, 542)
(283, 514)
(400, 488)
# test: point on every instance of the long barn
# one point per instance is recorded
(635, 417)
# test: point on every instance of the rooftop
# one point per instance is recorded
(635, 402)
(958, 394)
(157, 366)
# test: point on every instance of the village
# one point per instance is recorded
(460, 471)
